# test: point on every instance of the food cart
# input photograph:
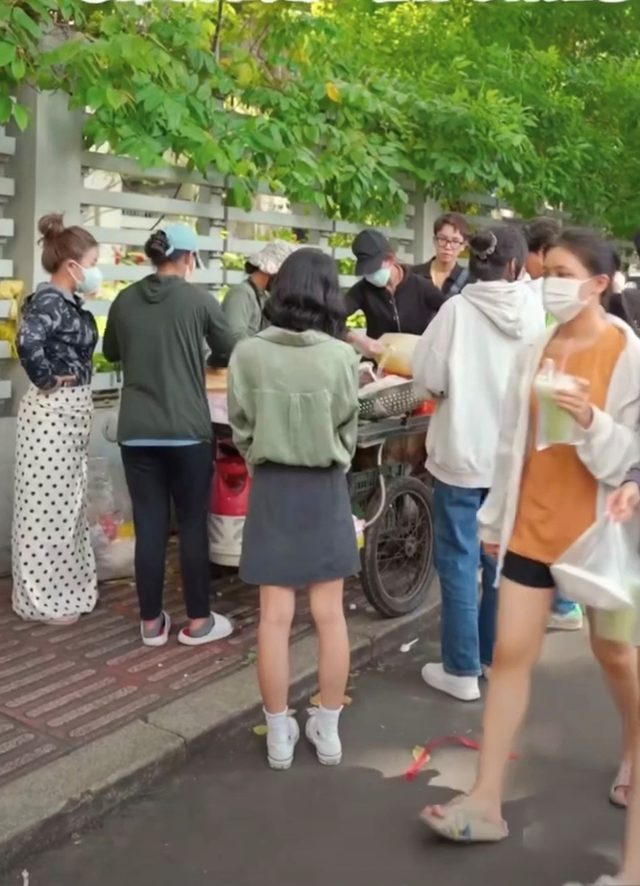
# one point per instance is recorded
(394, 504)
(398, 551)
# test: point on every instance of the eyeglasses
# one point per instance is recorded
(446, 241)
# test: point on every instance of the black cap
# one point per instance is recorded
(370, 248)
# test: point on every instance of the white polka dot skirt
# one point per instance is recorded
(54, 570)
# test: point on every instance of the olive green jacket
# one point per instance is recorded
(243, 306)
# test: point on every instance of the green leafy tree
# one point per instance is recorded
(339, 102)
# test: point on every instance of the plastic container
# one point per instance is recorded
(228, 509)
(555, 425)
(398, 351)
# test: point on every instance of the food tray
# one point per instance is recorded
(398, 400)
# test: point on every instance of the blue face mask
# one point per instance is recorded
(380, 278)
(91, 280)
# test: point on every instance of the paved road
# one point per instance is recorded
(227, 820)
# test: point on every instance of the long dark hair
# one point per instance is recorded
(493, 249)
(305, 294)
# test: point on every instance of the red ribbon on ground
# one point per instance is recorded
(469, 743)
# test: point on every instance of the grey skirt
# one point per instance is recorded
(299, 529)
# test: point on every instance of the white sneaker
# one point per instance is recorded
(322, 732)
(281, 745)
(222, 628)
(462, 688)
(159, 639)
(566, 621)
(486, 672)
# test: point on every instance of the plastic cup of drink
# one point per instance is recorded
(557, 425)
(617, 625)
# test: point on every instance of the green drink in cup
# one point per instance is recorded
(555, 425)
(617, 625)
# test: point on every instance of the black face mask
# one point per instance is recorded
(268, 285)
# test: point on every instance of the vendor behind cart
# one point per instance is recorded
(450, 235)
(244, 303)
(391, 297)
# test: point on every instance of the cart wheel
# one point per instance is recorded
(397, 559)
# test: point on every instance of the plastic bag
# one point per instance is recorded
(602, 570)
(554, 425)
(110, 519)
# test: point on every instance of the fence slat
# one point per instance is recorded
(148, 203)
(139, 236)
(7, 187)
(129, 168)
(131, 273)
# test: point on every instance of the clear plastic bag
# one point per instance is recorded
(602, 570)
(554, 425)
(110, 519)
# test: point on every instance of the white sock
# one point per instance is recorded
(277, 723)
(328, 720)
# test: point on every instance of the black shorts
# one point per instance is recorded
(531, 573)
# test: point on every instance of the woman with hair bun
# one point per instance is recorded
(542, 500)
(54, 572)
(157, 329)
(464, 359)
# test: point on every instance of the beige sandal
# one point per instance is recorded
(461, 822)
(621, 785)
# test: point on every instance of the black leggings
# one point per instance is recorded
(157, 475)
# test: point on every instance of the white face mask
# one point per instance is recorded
(561, 297)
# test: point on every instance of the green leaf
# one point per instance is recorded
(5, 108)
(18, 68)
(21, 116)
(20, 18)
(114, 98)
(240, 194)
(7, 54)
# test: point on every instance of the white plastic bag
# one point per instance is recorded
(602, 568)
(110, 519)
(554, 425)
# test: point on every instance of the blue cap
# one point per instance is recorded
(181, 238)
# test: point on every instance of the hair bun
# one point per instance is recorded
(156, 248)
(483, 244)
(51, 226)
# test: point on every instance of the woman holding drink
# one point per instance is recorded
(545, 494)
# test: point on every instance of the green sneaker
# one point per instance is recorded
(566, 621)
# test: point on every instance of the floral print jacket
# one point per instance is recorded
(57, 336)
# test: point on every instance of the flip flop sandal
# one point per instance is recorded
(621, 783)
(462, 823)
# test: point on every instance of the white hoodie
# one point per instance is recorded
(534, 285)
(464, 360)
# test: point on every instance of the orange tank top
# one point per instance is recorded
(557, 492)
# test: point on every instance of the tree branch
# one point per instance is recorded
(215, 46)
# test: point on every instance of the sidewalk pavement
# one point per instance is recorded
(89, 717)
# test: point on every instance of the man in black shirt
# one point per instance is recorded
(391, 297)
(450, 234)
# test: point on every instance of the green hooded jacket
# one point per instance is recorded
(156, 330)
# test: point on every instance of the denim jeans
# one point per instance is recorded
(468, 624)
